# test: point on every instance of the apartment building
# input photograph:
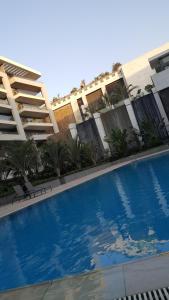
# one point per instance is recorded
(152, 68)
(25, 110)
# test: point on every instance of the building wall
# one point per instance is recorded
(82, 93)
(138, 71)
(17, 119)
(94, 99)
(161, 80)
(64, 116)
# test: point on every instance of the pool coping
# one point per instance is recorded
(109, 283)
(22, 204)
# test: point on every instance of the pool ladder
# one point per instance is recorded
(159, 294)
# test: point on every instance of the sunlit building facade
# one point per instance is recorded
(25, 110)
(152, 68)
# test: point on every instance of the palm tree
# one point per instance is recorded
(107, 99)
(119, 93)
(4, 169)
(22, 158)
(55, 155)
(75, 149)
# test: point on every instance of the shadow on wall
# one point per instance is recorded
(116, 118)
(88, 133)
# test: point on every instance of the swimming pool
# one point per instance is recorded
(115, 218)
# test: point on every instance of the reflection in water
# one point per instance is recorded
(115, 218)
(159, 192)
(10, 255)
(123, 197)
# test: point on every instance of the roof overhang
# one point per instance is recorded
(15, 69)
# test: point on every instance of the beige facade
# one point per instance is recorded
(84, 93)
(25, 110)
(138, 72)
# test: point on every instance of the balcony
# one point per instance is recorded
(3, 93)
(5, 108)
(25, 84)
(161, 80)
(7, 124)
(33, 112)
(37, 125)
(29, 99)
(39, 136)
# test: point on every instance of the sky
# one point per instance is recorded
(71, 40)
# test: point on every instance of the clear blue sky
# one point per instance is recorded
(70, 40)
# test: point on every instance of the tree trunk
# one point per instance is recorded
(58, 172)
(26, 179)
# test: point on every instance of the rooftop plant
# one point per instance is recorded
(74, 90)
(148, 88)
(116, 66)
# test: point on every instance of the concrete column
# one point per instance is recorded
(131, 114)
(85, 102)
(73, 130)
(48, 105)
(12, 102)
(101, 130)
(161, 109)
(76, 111)
(104, 91)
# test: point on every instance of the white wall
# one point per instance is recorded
(161, 80)
(138, 71)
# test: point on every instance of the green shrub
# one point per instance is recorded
(149, 135)
(118, 142)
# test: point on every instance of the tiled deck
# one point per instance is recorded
(117, 281)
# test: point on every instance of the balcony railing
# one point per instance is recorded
(4, 102)
(25, 84)
(38, 135)
(34, 108)
(25, 121)
(25, 98)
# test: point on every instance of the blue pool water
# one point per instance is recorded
(115, 218)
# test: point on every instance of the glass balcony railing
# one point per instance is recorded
(37, 121)
(34, 108)
(4, 102)
(6, 118)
